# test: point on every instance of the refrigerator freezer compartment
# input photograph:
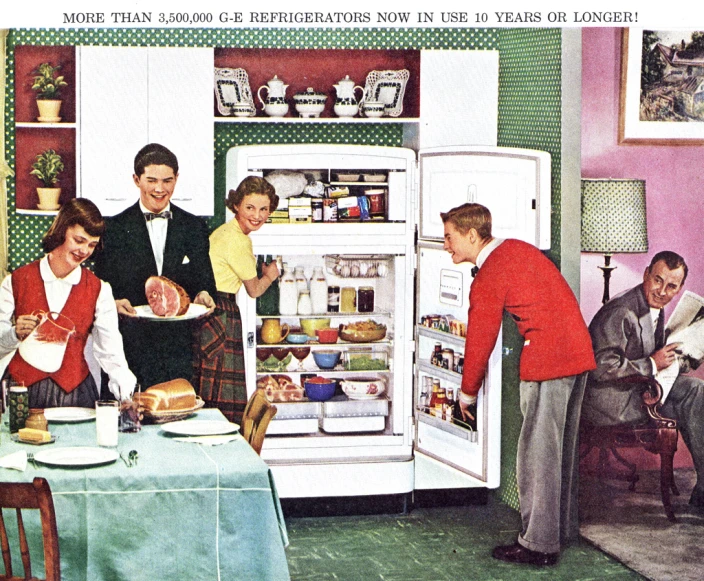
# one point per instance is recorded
(342, 407)
(353, 424)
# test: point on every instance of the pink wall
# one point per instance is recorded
(673, 176)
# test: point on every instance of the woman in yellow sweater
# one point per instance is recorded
(219, 363)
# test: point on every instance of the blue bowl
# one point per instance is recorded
(298, 338)
(322, 391)
(326, 359)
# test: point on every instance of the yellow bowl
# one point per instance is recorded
(309, 326)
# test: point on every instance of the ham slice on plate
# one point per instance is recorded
(165, 297)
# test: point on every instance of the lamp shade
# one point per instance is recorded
(613, 216)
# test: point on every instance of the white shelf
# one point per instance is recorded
(317, 120)
(38, 125)
(36, 212)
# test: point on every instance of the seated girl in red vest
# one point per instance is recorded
(58, 284)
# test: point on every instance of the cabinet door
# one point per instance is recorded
(459, 97)
(112, 123)
(133, 96)
(181, 117)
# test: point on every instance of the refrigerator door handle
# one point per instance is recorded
(250, 340)
(472, 193)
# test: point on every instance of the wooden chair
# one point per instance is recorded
(34, 495)
(657, 435)
(256, 418)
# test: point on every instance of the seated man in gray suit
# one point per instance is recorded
(628, 336)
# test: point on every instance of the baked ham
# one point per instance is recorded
(165, 297)
(280, 388)
(174, 395)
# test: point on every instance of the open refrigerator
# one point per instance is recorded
(391, 443)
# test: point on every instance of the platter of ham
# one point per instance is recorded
(194, 311)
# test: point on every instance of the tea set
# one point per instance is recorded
(311, 103)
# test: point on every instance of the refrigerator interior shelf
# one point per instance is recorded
(337, 315)
(459, 431)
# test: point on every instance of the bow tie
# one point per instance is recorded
(166, 214)
(475, 270)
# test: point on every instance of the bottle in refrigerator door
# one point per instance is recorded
(319, 291)
(288, 292)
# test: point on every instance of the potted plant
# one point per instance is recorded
(46, 168)
(48, 84)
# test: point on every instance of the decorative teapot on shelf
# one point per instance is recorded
(275, 104)
(273, 331)
(346, 104)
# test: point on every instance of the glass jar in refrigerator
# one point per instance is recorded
(365, 299)
(348, 300)
(305, 306)
(333, 299)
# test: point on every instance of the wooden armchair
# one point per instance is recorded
(35, 495)
(657, 435)
(256, 418)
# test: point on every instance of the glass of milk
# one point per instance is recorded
(106, 416)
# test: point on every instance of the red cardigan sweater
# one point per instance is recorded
(29, 294)
(519, 278)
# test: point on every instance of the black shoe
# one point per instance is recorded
(519, 554)
(697, 498)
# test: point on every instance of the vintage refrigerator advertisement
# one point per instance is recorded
(363, 347)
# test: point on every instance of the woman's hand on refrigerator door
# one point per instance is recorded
(24, 325)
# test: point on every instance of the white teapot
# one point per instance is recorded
(346, 103)
(275, 104)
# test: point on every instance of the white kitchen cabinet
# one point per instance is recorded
(132, 96)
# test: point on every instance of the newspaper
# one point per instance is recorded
(685, 326)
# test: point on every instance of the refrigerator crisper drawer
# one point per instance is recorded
(345, 415)
(299, 417)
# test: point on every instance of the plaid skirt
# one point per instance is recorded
(218, 359)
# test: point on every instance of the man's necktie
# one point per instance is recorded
(660, 331)
(475, 270)
(166, 214)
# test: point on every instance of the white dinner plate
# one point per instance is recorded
(194, 311)
(200, 427)
(76, 456)
(69, 414)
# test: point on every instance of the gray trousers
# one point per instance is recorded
(685, 403)
(547, 465)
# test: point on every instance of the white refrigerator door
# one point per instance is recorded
(443, 288)
(513, 183)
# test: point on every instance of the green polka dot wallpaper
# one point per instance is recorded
(529, 116)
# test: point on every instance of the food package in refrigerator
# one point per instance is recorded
(348, 208)
(366, 359)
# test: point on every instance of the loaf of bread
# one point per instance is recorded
(174, 395)
(33, 435)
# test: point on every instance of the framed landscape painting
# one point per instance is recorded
(662, 87)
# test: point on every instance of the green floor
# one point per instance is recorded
(429, 544)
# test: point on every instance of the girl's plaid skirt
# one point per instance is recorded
(218, 359)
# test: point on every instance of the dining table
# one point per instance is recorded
(182, 510)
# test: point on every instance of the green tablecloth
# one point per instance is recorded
(185, 512)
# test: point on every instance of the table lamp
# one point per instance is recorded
(613, 220)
